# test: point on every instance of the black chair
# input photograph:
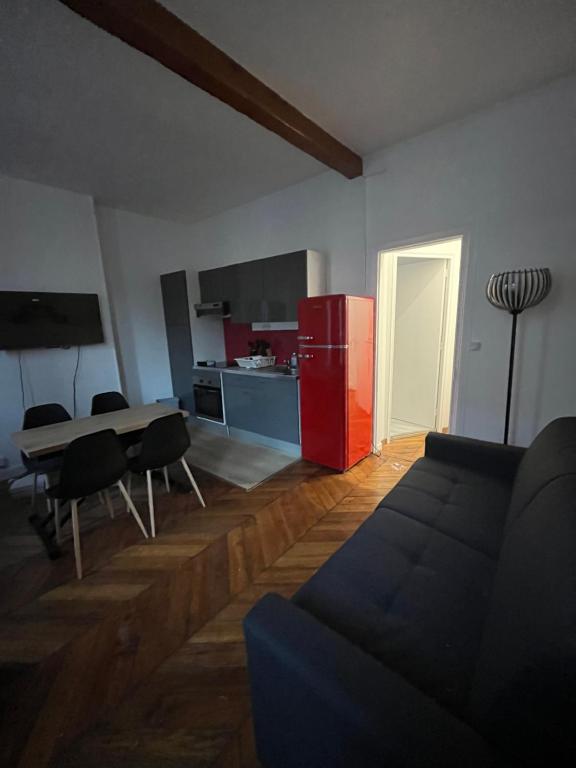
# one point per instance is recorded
(165, 441)
(42, 416)
(91, 463)
(107, 402)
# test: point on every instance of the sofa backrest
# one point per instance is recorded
(551, 455)
(524, 694)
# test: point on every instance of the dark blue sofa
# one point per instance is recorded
(443, 633)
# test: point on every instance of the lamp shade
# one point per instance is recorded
(518, 289)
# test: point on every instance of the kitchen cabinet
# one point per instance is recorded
(218, 284)
(267, 407)
(266, 290)
(178, 334)
(246, 292)
(211, 285)
(284, 284)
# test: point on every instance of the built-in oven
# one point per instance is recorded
(208, 396)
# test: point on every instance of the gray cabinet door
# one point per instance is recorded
(210, 285)
(246, 303)
(178, 335)
(218, 284)
(266, 407)
(285, 283)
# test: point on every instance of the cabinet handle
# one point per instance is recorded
(306, 356)
(305, 338)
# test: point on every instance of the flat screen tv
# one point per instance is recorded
(33, 320)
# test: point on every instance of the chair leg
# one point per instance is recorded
(49, 505)
(76, 535)
(109, 503)
(151, 503)
(34, 489)
(57, 532)
(166, 479)
(192, 481)
(132, 508)
(129, 489)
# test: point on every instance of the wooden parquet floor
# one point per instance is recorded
(194, 709)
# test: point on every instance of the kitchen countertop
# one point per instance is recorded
(266, 373)
(273, 372)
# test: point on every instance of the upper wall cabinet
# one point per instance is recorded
(266, 290)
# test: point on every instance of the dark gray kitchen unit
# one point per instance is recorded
(267, 407)
(266, 290)
(178, 335)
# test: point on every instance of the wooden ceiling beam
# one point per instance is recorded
(151, 28)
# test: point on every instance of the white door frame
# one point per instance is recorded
(385, 322)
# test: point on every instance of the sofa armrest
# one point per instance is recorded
(491, 458)
(320, 701)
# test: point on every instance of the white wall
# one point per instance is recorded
(325, 214)
(506, 180)
(50, 243)
(417, 338)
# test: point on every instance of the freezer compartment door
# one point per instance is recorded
(323, 406)
(322, 320)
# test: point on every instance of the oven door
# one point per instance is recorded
(208, 402)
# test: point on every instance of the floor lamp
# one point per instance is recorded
(515, 291)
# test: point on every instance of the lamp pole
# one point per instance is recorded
(515, 291)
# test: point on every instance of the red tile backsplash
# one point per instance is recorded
(237, 336)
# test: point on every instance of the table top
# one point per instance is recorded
(55, 437)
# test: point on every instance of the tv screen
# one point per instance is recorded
(32, 320)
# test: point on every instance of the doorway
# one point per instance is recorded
(418, 297)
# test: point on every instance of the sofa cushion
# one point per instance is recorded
(409, 595)
(468, 506)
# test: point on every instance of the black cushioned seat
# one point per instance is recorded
(443, 633)
(412, 597)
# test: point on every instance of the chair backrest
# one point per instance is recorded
(92, 463)
(106, 402)
(42, 415)
(524, 695)
(164, 441)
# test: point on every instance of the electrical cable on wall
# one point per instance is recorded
(74, 379)
(21, 380)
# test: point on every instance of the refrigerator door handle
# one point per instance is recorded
(323, 346)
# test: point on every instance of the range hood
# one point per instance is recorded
(216, 308)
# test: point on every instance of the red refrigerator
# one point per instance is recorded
(336, 358)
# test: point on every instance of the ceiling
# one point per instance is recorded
(83, 111)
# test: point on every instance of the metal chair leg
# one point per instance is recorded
(166, 479)
(192, 481)
(76, 535)
(151, 503)
(109, 503)
(132, 508)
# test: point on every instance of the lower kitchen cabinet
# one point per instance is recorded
(264, 406)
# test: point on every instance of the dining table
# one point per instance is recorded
(55, 437)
